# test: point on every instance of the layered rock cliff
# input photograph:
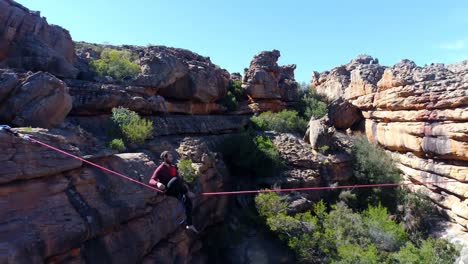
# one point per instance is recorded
(56, 209)
(419, 114)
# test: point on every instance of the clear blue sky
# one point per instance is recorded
(314, 34)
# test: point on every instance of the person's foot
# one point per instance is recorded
(192, 228)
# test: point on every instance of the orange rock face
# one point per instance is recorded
(418, 113)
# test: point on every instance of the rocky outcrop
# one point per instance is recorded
(343, 115)
(418, 113)
(358, 77)
(267, 82)
(39, 99)
(181, 74)
(55, 209)
(91, 98)
(28, 42)
(307, 168)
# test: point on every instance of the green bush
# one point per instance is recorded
(416, 212)
(249, 155)
(117, 144)
(122, 116)
(138, 130)
(186, 170)
(116, 63)
(285, 121)
(344, 236)
(436, 251)
(373, 165)
(311, 104)
(235, 94)
(134, 128)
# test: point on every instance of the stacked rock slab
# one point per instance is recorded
(270, 86)
(39, 99)
(418, 113)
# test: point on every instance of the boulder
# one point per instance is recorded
(181, 74)
(319, 133)
(28, 42)
(38, 99)
(343, 114)
(265, 79)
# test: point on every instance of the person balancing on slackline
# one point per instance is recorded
(167, 179)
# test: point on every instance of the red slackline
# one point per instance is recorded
(241, 192)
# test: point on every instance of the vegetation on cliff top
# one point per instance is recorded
(118, 64)
(234, 95)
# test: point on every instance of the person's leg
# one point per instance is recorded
(188, 209)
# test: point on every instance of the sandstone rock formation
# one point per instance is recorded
(418, 113)
(28, 42)
(91, 98)
(266, 82)
(38, 99)
(306, 168)
(182, 74)
(59, 210)
(342, 114)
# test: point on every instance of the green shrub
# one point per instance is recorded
(312, 104)
(344, 236)
(138, 130)
(116, 63)
(436, 251)
(117, 144)
(385, 233)
(353, 253)
(235, 94)
(416, 212)
(122, 116)
(186, 170)
(129, 124)
(373, 165)
(248, 155)
(285, 121)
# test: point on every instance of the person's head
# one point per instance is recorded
(167, 157)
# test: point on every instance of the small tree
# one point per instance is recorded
(373, 165)
(134, 128)
(186, 170)
(311, 104)
(235, 94)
